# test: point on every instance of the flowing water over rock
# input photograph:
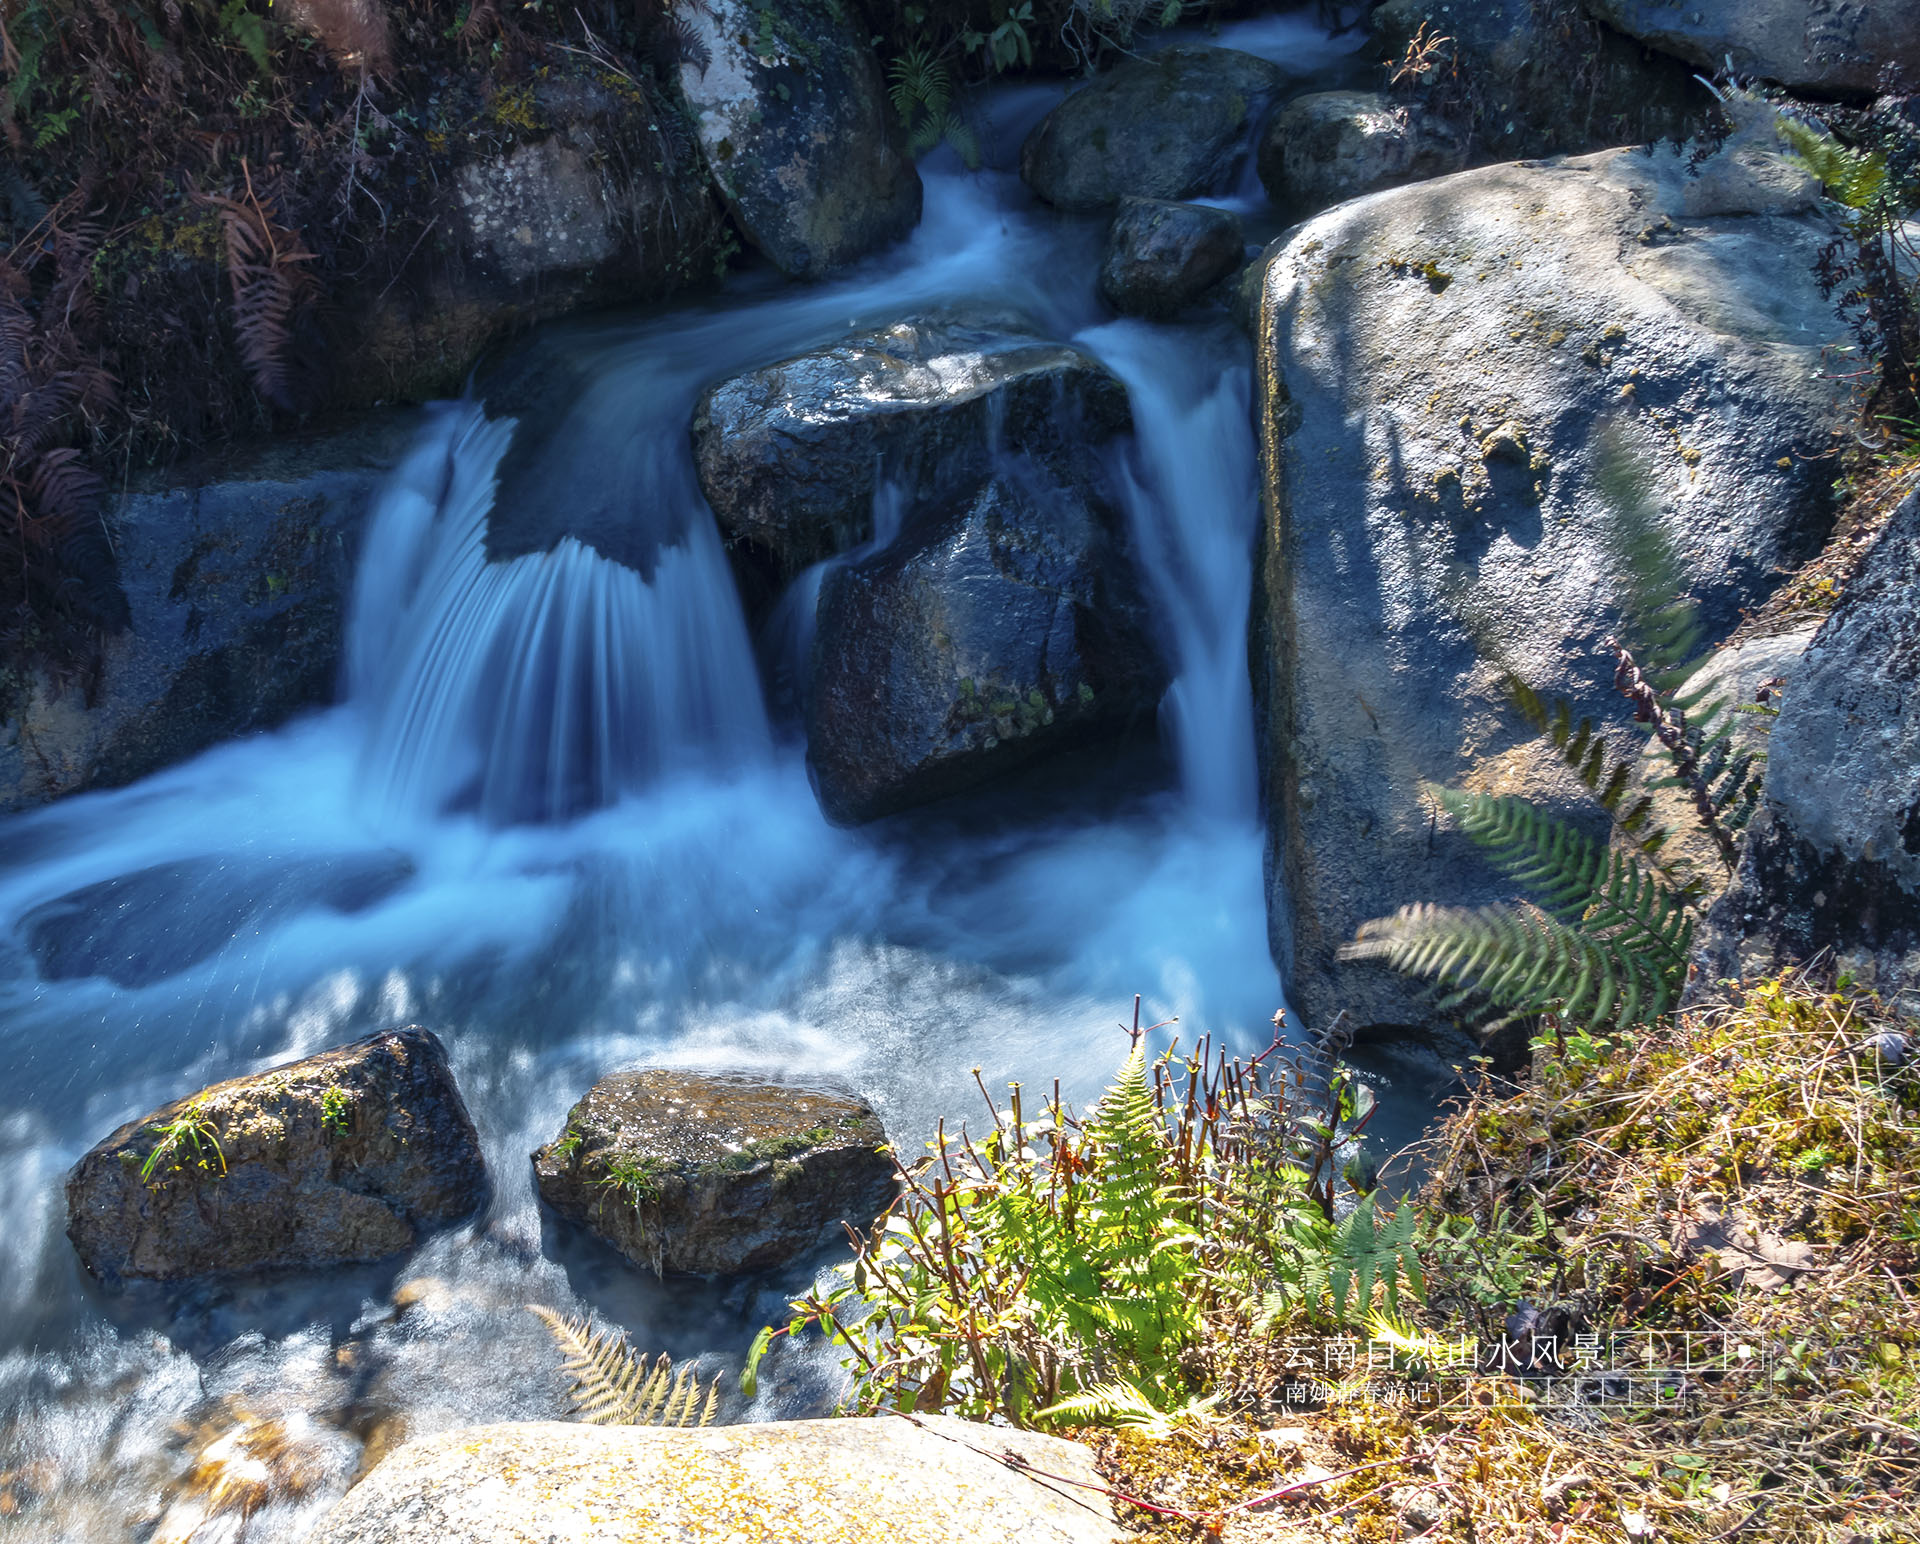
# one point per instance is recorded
(555, 822)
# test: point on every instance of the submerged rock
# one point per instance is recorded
(1172, 125)
(346, 1156)
(713, 1173)
(1162, 257)
(1330, 146)
(792, 455)
(1833, 858)
(1810, 45)
(1002, 624)
(878, 1480)
(1480, 398)
(793, 118)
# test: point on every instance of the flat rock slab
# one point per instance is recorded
(883, 1480)
(710, 1173)
(343, 1157)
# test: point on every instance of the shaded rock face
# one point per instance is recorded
(237, 591)
(1162, 257)
(711, 1173)
(1476, 395)
(798, 134)
(344, 1157)
(792, 456)
(878, 1480)
(1329, 146)
(1169, 126)
(1813, 45)
(608, 204)
(1544, 79)
(1833, 859)
(1000, 625)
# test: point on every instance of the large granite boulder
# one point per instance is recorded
(791, 456)
(1527, 79)
(1329, 146)
(1484, 399)
(1161, 257)
(1003, 623)
(878, 1480)
(798, 133)
(1833, 858)
(344, 1157)
(713, 1173)
(1172, 125)
(237, 576)
(1810, 45)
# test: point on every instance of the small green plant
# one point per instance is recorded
(614, 1385)
(190, 1139)
(335, 1112)
(1063, 1269)
(636, 1178)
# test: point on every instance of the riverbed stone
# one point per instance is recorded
(1479, 397)
(1003, 624)
(1173, 125)
(791, 456)
(1162, 257)
(793, 118)
(871, 1480)
(344, 1157)
(1332, 145)
(1809, 45)
(716, 1173)
(1832, 861)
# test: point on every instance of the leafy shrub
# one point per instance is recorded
(1066, 1270)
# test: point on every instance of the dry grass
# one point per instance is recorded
(1752, 1170)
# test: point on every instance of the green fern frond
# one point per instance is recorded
(1610, 779)
(1855, 179)
(1123, 1404)
(614, 1385)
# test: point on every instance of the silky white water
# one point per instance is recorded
(554, 820)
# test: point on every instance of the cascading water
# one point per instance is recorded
(551, 821)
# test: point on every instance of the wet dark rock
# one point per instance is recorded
(344, 1157)
(1162, 257)
(715, 1173)
(237, 576)
(146, 926)
(1545, 81)
(791, 456)
(1002, 624)
(1810, 45)
(793, 117)
(1832, 860)
(1173, 125)
(1333, 145)
(1469, 396)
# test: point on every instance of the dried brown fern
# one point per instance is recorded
(354, 33)
(264, 269)
(614, 1385)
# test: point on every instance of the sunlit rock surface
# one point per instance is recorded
(1813, 45)
(1480, 395)
(715, 1172)
(879, 1480)
(792, 455)
(350, 1155)
(1333, 145)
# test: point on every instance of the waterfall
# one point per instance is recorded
(542, 686)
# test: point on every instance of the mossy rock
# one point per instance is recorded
(706, 1173)
(344, 1157)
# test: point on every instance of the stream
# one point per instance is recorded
(556, 820)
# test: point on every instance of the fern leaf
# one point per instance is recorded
(613, 1385)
